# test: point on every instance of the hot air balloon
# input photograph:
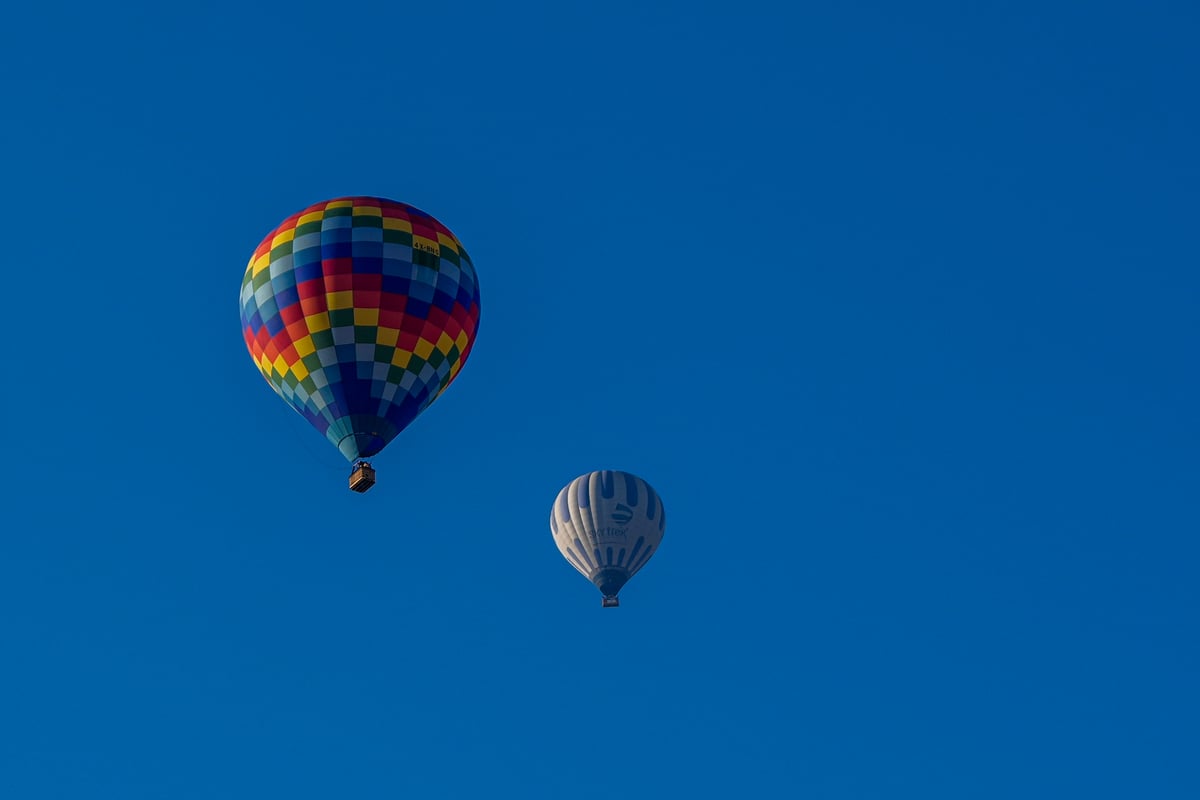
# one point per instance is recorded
(359, 312)
(608, 524)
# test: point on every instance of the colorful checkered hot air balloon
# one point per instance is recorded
(359, 312)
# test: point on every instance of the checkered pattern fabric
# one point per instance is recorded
(359, 312)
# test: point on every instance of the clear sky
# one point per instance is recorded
(894, 303)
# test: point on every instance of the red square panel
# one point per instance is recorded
(338, 283)
(430, 332)
(368, 282)
(311, 288)
(297, 330)
(337, 266)
(291, 314)
(407, 341)
(366, 299)
(392, 301)
(311, 306)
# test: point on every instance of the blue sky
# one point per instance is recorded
(895, 307)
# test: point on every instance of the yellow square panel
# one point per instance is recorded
(340, 204)
(300, 371)
(444, 343)
(317, 322)
(428, 245)
(262, 262)
(340, 300)
(315, 216)
(368, 211)
(387, 336)
(447, 241)
(423, 348)
(283, 236)
(367, 317)
(305, 347)
(397, 224)
(401, 358)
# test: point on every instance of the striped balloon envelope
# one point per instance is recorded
(359, 312)
(607, 525)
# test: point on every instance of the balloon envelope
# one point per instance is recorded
(359, 312)
(607, 524)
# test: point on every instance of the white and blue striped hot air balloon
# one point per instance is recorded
(608, 524)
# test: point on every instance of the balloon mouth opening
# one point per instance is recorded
(359, 436)
(356, 446)
(609, 581)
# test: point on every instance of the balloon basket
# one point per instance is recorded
(610, 602)
(362, 477)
